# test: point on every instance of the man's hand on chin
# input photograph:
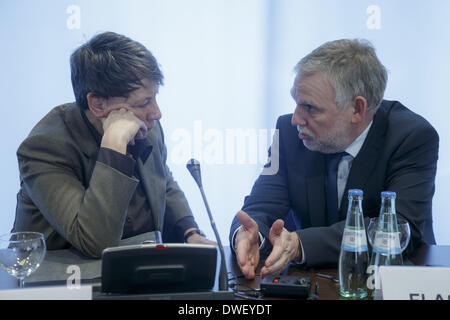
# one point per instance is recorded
(120, 128)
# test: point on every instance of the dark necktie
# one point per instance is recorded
(331, 186)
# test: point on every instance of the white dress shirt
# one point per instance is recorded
(343, 171)
(347, 160)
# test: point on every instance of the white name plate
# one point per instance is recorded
(48, 293)
(415, 283)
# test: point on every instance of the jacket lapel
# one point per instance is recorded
(80, 131)
(364, 163)
(84, 138)
(153, 182)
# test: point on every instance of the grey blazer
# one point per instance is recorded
(77, 201)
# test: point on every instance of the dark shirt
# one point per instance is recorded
(139, 217)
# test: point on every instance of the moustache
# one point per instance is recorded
(304, 132)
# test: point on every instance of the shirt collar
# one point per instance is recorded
(356, 145)
(141, 149)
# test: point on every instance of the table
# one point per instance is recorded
(53, 270)
(328, 289)
(425, 255)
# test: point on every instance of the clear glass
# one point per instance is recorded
(403, 229)
(21, 253)
(386, 247)
(354, 255)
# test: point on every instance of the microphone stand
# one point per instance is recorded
(194, 168)
(223, 276)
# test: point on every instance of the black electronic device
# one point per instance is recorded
(150, 268)
(286, 286)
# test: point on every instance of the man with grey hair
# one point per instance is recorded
(342, 135)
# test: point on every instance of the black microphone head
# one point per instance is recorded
(194, 168)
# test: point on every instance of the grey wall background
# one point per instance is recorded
(228, 70)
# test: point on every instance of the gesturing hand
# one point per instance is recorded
(247, 245)
(286, 247)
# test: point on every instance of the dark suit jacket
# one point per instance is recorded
(75, 200)
(399, 154)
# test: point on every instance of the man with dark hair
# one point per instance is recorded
(94, 172)
(342, 135)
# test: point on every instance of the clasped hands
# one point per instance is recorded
(286, 247)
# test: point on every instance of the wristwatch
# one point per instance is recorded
(190, 233)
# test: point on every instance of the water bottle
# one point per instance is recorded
(386, 244)
(354, 256)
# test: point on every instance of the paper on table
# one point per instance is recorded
(47, 293)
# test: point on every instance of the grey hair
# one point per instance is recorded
(352, 68)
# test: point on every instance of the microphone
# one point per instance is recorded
(194, 168)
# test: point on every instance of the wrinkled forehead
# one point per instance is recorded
(304, 82)
(147, 89)
(300, 84)
(312, 87)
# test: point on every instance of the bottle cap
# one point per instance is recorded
(355, 192)
(388, 194)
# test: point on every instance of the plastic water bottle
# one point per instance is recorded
(386, 244)
(354, 256)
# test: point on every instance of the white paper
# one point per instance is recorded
(48, 293)
(415, 283)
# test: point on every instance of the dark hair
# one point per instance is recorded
(111, 65)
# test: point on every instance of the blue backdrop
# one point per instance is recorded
(228, 71)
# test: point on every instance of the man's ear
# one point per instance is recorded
(359, 109)
(97, 105)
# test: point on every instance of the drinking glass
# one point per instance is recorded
(21, 253)
(403, 229)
